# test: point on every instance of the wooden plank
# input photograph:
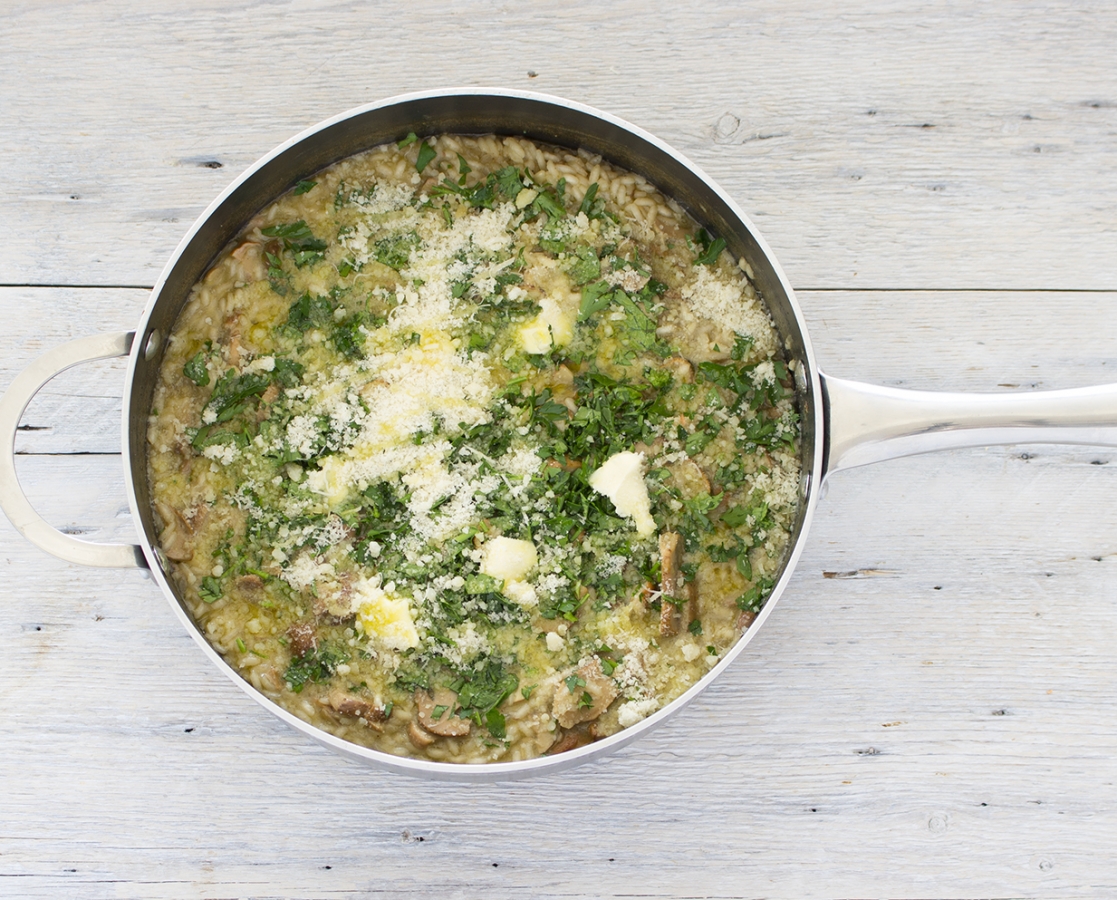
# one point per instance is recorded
(79, 410)
(965, 340)
(931, 147)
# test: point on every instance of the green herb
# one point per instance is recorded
(741, 347)
(590, 205)
(695, 627)
(528, 691)
(660, 379)
(300, 240)
(710, 248)
(233, 393)
(595, 297)
(509, 182)
(702, 436)
(426, 154)
(195, 369)
(347, 337)
(586, 266)
(753, 599)
(463, 167)
(310, 312)
(638, 330)
(438, 712)
(549, 204)
(495, 722)
(210, 589)
(277, 278)
(573, 682)
(395, 251)
(317, 665)
(287, 373)
(241, 647)
(482, 584)
(304, 187)
(407, 141)
(482, 692)
(586, 700)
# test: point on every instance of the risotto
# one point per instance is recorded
(473, 449)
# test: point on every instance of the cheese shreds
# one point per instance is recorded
(732, 303)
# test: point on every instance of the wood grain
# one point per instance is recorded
(929, 711)
(941, 146)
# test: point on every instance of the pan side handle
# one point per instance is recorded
(12, 499)
(867, 423)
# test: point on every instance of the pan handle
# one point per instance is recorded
(12, 499)
(867, 423)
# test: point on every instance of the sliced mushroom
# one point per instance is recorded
(250, 265)
(350, 705)
(583, 694)
(670, 556)
(445, 723)
(303, 638)
(571, 740)
(334, 598)
(419, 736)
(679, 604)
(250, 584)
(269, 677)
(176, 538)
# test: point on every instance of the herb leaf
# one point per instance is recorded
(426, 154)
(300, 240)
(317, 664)
(195, 369)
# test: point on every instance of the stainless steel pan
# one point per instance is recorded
(844, 423)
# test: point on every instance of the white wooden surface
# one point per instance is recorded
(932, 710)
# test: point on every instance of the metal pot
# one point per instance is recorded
(844, 423)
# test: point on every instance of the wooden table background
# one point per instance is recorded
(932, 710)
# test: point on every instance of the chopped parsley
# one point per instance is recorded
(297, 237)
(426, 154)
(316, 665)
(195, 369)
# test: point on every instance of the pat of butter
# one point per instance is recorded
(621, 479)
(553, 327)
(384, 616)
(509, 559)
